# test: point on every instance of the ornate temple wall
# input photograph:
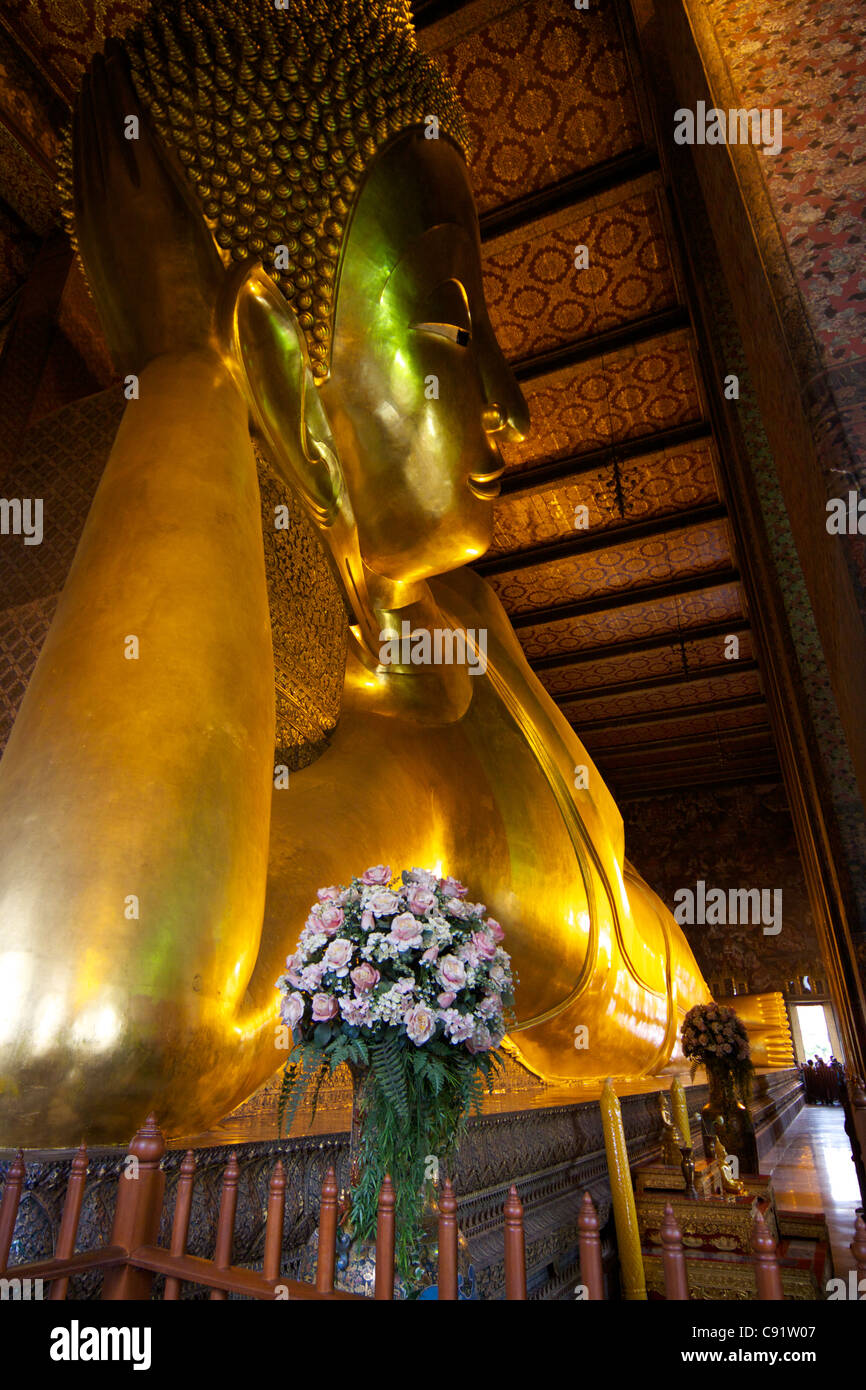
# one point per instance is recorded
(731, 837)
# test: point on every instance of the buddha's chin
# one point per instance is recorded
(462, 542)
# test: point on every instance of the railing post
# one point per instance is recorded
(140, 1192)
(9, 1207)
(673, 1258)
(515, 1248)
(384, 1286)
(767, 1276)
(70, 1218)
(276, 1217)
(222, 1257)
(327, 1257)
(858, 1247)
(180, 1224)
(447, 1276)
(591, 1273)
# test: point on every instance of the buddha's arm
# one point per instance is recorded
(135, 789)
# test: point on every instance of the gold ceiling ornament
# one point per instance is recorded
(275, 114)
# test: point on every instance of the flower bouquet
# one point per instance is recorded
(405, 981)
(713, 1037)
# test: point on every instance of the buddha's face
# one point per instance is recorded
(419, 396)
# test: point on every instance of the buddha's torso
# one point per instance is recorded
(490, 797)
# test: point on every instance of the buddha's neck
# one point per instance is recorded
(429, 692)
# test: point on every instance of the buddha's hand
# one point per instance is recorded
(151, 261)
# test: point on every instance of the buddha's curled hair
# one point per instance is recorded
(275, 113)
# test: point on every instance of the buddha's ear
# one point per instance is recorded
(269, 353)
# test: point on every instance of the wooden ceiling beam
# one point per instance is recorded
(694, 779)
(612, 692)
(589, 655)
(569, 192)
(598, 345)
(564, 470)
(581, 544)
(672, 745)
(628, 598)
(671, 715)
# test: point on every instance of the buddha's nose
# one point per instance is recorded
(506, 414)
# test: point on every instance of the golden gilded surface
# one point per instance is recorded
(628, 1233)
(152, 875)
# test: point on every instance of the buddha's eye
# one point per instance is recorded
(445, 313)
(446, 330)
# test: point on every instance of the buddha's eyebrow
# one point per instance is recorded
(420, 250)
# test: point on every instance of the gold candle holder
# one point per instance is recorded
(680, 1111)
(624, 1210)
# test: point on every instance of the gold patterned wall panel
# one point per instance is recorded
(64, 33)
(632, 565)
(635, 392)
(657, 485)
(539, 300)
(647, 619)
(546, 92)
(22, 632)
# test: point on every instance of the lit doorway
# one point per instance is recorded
(813, 1028)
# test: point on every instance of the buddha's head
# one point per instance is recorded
(322, 144)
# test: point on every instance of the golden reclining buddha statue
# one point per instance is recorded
(286, 232)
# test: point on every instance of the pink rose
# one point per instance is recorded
(451, 972)
(292, 1010)
(485, 946)
(405, 931)
(446, 999)
(467, 953)
(324, 1007)
(431, 954)
(380, 873)
(495, 930)
(338, 953)
(383, 903)
(328, 895)
(459, 909)
(364, 976)
(453, 888)
(419, 900)
(368, 921)
(331, 918)
(420, 1024)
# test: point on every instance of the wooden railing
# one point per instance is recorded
(133, 1257)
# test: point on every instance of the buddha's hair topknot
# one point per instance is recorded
(276, 111)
